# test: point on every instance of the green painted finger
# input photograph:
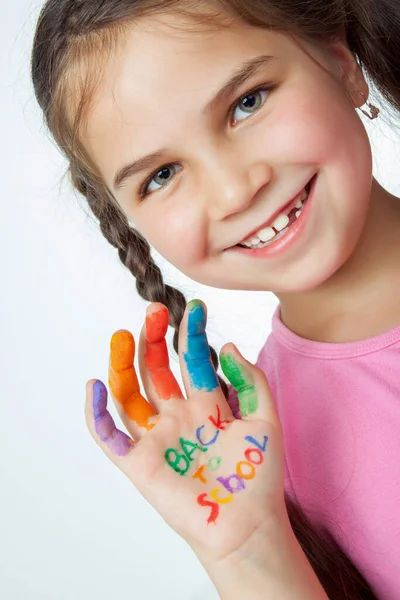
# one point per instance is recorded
(242, 380)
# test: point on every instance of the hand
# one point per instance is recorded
(216, 480)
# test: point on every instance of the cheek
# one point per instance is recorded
(178, 233)
(340, 139)
(311, 132)
(327, 132)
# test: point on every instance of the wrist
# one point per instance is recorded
(269, 565)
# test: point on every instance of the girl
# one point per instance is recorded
(224, 133)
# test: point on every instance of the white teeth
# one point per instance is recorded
(280, 222)
(252, 242)
(266, 234)
(299, 203)
(281, 234)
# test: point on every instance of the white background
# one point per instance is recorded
(72, 526)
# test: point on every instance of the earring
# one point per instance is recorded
(374, 110)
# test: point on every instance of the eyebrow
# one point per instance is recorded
(241, 75)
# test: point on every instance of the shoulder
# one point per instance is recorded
(265, 356)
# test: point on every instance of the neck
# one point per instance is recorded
(361, 299)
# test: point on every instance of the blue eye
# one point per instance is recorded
(160, 179)
(249, 104)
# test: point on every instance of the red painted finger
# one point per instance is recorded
(156, 358)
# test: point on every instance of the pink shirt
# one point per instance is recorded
(339, 405)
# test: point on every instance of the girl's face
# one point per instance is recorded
(214, 167)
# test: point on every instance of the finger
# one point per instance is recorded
(114, 443)
(254, 393)
(197, 369)
(157, 378)
(136, 413)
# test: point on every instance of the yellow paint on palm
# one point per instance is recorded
(124, 383)
(215, 496)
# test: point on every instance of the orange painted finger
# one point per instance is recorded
(124, 383)
(156, 358)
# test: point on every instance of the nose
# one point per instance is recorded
(231, 183)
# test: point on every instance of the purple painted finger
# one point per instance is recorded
(117, 441)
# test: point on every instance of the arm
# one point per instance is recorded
(277, 570)
(216, 480)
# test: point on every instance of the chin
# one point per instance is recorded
(315, 274)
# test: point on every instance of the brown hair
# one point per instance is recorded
(74, 37)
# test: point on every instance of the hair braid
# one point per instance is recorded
(135, 254)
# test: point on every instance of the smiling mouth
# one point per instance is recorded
(278, 225)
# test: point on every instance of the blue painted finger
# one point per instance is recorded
(197, 357)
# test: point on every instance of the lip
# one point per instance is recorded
(272, 218)
(290, 236)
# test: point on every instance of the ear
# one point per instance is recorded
(347, 70)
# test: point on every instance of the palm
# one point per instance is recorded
(214, 479)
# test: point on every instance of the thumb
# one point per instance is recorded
(254, 393)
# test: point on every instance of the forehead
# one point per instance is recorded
(158, 56)
(160, 79)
